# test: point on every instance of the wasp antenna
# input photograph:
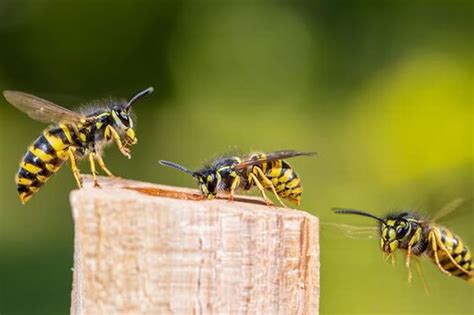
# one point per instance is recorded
(139, 95)
(356, 212)
(178, 167)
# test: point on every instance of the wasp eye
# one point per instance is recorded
(123, 116)
(401, 230)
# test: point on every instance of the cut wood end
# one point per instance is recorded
(127, 188)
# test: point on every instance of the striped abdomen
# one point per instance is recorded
(43, 158)
(284, 179)
(456, 248)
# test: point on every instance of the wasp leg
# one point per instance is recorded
(269, 183)
(422, 276)
(445, 250)
(74, 168)
(254, 178)
(409, 253)
(123, 149)
(93, 170)
(433, 239)
(234, 185)
(391, 256)
(102, 165)
(407, 263)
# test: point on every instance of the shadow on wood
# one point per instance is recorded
(144, 248)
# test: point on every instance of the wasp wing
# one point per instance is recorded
(273, 156)
(447, 209)
(40, 109)
(354, 231)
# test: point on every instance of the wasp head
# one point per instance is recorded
(122, 120)
(209, 180)
(395, 231)
(208, 183)
(123, 124)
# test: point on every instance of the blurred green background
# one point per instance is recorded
(382, 89)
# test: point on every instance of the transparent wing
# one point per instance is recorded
(447, 209)
(40, 109)
(273, 156)
(354, 231)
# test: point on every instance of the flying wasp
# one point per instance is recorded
(267, 171)
(73, 135)
(420, 237)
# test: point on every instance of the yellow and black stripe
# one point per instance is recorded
(43, 158)
(285, 180)
(458, 251)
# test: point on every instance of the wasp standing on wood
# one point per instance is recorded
(73, 136)
(267, 171)
(418, 236)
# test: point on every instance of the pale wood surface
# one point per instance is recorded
(167, 252)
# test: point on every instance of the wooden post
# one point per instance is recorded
(150, 249)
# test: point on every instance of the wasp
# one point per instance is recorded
(267, 171)
(419, 236)
(72, 135)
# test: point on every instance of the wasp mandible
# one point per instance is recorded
(267, 171)
(73, 135)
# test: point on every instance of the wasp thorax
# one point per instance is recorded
(123, 123)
